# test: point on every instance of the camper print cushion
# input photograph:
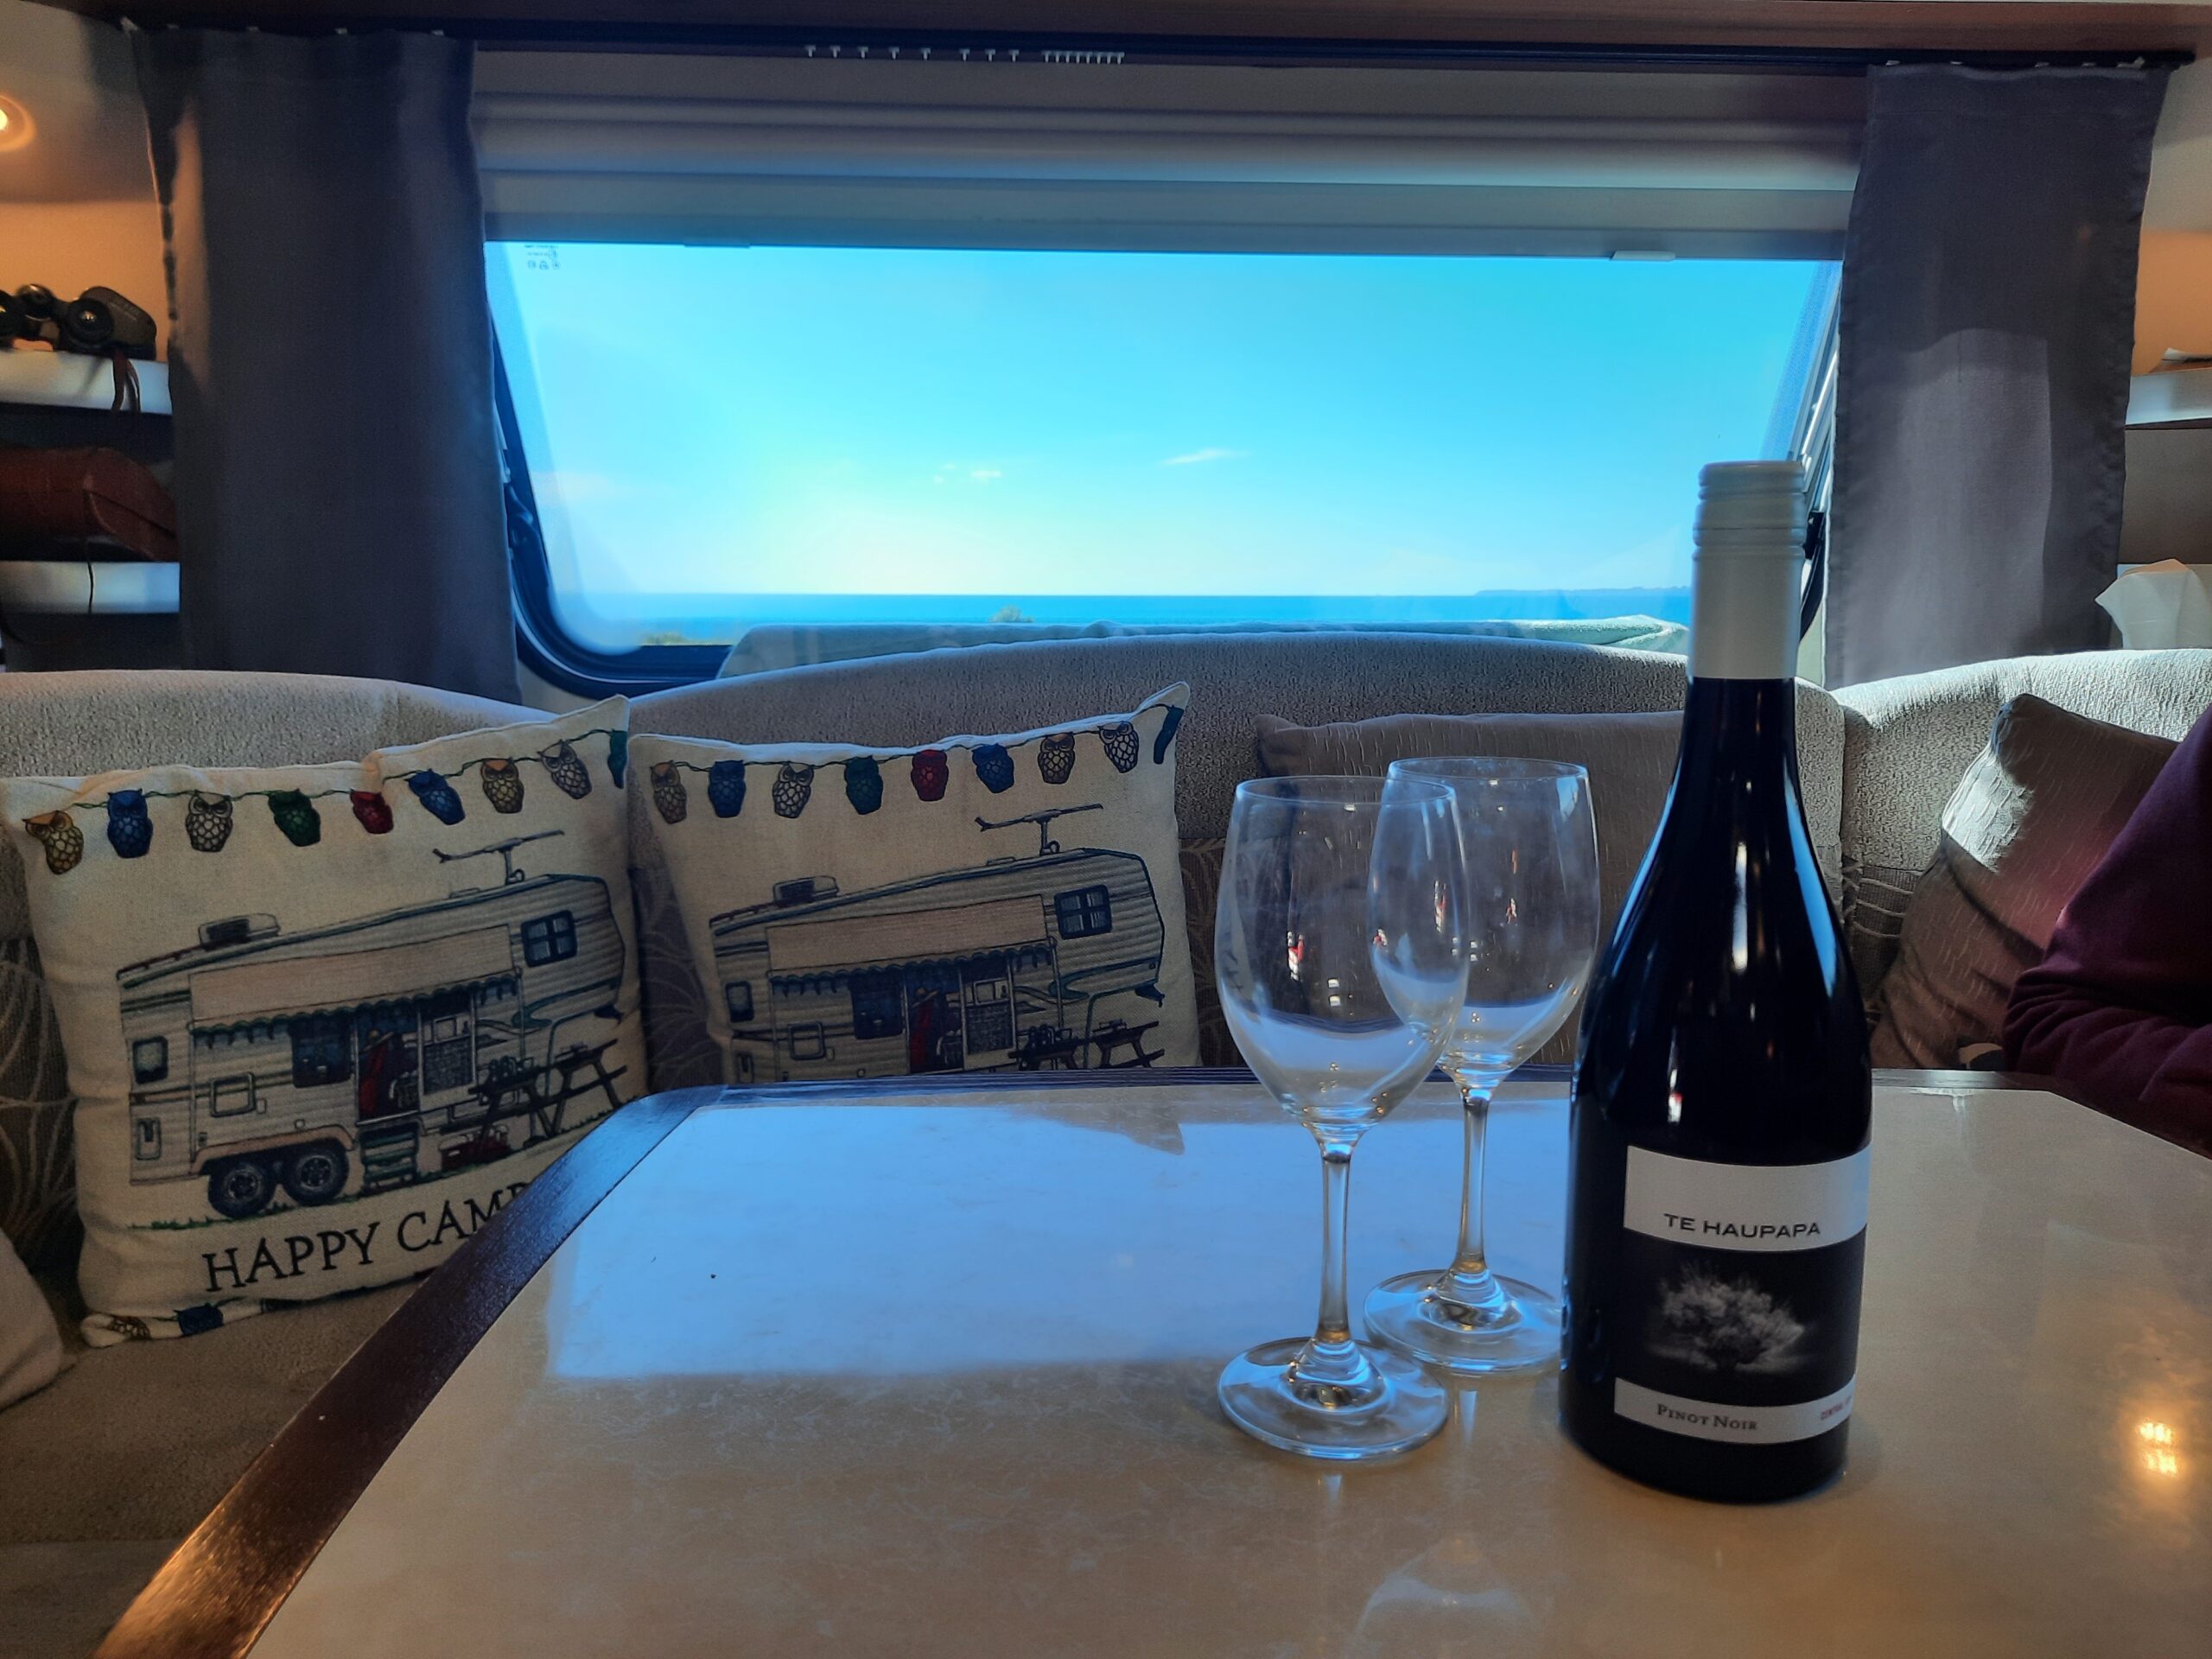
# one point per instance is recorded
(981, 904)
(323, 1022)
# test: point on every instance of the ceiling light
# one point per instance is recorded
(14, 124)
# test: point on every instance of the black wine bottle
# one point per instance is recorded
(1723, 1099)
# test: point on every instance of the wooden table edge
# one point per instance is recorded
(215, 1595)
(212, 1598)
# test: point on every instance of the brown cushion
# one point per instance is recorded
(38, 1164)
(2028, 821)
(1200, 862)
(1629, 758)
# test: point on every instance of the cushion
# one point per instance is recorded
(2029, 821)
(680, 1045)
(38, 1177)
(979, 903)
(1629, 758)
(322, 1021)
(1202, 859)
(904, 702)
(1907, 742)
(70, 722)
(30, 1348)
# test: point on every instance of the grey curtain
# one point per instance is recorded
(1989, 313)
(338, 487)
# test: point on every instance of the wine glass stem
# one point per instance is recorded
(1332, 1358)
(1468, 1279)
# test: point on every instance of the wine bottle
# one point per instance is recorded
(1723, 1098)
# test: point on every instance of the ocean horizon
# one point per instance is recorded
(722, 618)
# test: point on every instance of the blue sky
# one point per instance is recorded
(787, 421)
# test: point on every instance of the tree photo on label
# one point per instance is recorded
(1729, 1324)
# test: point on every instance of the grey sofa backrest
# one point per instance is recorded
(773, 645)
(1907, 742)
(1308, 678)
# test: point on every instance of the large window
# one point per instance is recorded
(725, 438)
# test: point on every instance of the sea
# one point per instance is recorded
(720, 617)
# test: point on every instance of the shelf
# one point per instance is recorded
(2174, 397)
(64, 588)
(72, 380)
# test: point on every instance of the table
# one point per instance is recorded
(927, 1369)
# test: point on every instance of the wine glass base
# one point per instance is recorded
(1406, 1315)
(1403, 1408)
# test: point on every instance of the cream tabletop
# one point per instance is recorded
(934, 1376)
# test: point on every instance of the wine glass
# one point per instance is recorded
(1342, 966)
(1531, 854)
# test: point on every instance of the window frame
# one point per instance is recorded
(322, 1049)
(549, 938)
(731, 999)
(156, 1069)
(879, 1000)
(544, 647)
(1812, 441)
(1078, 902)
(241, 1086)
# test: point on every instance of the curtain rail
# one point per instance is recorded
(1267, 52)
(1253, 51)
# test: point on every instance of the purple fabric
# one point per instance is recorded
(2121, 1003)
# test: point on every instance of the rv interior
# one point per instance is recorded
(726, 726)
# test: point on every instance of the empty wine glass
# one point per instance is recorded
(1531, 854)
(1338, 949)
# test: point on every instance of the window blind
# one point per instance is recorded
(593, 146)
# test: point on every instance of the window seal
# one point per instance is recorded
(1812, 443)
(544, 647)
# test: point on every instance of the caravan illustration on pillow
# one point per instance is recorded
(1027, 964)
(356, 1056)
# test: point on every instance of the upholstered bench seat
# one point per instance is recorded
(140, 1440)
(103, 1471)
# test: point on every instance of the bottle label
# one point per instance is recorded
(1740, 1291)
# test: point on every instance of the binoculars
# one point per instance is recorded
(100, 322)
